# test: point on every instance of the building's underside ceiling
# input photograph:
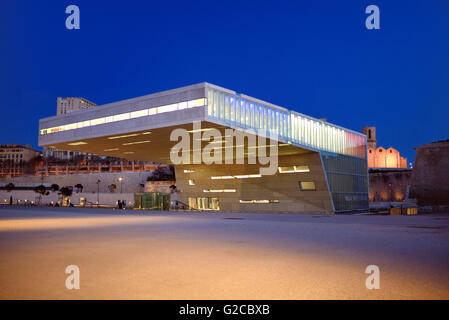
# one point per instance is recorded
(152, 145)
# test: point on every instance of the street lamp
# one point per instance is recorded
(98, 192)
(120, 179)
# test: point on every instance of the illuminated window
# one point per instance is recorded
(123, 136)
(221, 177)
(138, 114)
(191, 182)
(242, 176)
(122, 116)
(307, 186)
(259, 201)
(182, 105)
(137, 142)
(294, 169)
(219, 190)
(204, 203)
(196, 103)
(189, 171)
(129, 115)
(200, 130)
(168, 108)
(248, 176)
(77, 143)
(95, 122)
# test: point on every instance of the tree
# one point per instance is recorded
(79, 187)
(66, 191)
(54, 187)
(42, 190)
(112, 187)
(10, 186)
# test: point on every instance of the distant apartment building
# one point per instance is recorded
(59, 154)
(71, 104)
(64, 106)
(17, 153)
(13, 158)
(379, 157)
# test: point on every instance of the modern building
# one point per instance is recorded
(319, 167)
(379, 157)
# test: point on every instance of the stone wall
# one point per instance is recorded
(389, 185)
(430, 180)
(132, 181)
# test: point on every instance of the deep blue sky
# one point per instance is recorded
(315, 57)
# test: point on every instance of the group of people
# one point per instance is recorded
(121, 204)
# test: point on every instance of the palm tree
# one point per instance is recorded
(66, 191)
(42, 191)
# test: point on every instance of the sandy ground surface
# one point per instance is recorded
(161, 255)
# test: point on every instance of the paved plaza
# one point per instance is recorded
(164, 255)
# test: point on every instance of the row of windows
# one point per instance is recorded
(303, 185)
(11, 156)
(209, 203)
(289, 169)
(288, 125)
(127, 115)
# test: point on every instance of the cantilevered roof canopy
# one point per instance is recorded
(140, 128)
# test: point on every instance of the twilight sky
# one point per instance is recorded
(315, 57)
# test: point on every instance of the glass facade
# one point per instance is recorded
(348, 181)
(290, 126)
(204, 203)
(343, 152)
